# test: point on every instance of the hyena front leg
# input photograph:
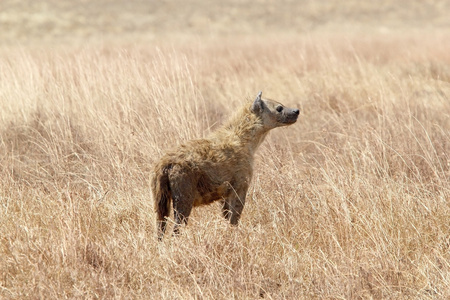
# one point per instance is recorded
(234, 204)
(226, 211)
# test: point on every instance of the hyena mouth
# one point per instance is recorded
(292, 120)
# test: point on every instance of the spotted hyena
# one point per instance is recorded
(218, 167)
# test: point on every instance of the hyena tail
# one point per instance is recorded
(162, 198)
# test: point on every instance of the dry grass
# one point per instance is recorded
(351, 202)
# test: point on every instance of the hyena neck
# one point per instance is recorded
(247, 129)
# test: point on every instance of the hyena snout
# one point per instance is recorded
(291, 115)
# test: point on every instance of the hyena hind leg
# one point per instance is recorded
(183, 191)
(162, 228)
(181, 212)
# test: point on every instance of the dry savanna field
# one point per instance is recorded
(351, 202)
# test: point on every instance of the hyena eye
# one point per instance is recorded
(279, 108)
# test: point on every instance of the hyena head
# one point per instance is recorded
(273, 113)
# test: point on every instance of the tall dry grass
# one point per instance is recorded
(351, 202)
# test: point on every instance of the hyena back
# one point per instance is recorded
(219, 167)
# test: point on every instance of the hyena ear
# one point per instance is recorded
(257, 105)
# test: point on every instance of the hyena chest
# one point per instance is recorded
(209, 191)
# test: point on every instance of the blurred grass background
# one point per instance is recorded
(56, 20)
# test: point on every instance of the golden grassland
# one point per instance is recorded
(351, 202)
